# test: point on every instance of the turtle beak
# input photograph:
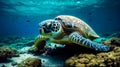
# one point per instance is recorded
(42, 31)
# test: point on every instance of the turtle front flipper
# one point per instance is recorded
(76, 38)
(39, 43)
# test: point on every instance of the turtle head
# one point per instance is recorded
(50, 27)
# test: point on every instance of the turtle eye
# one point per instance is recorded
(58, 18)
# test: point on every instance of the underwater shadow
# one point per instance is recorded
(70, 50)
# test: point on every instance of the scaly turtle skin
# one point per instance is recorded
(65, 29)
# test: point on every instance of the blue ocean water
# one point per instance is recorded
(21, 17)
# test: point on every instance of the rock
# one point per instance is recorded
(7, 52)
(30, 62)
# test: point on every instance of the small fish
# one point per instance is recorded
(27, 20)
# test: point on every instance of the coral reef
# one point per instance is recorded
(7, 52)
(100, 59)
(30, 62)
(72, 55)
(110, 59)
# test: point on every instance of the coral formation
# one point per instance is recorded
(7, 52)
(101, 59)
(104, 59)
(30, 62)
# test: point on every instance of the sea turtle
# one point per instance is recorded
(66, 29)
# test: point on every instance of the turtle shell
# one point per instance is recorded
(75, 24)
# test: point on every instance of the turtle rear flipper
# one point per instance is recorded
(76, 38)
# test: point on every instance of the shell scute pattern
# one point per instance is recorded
(81, 26)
